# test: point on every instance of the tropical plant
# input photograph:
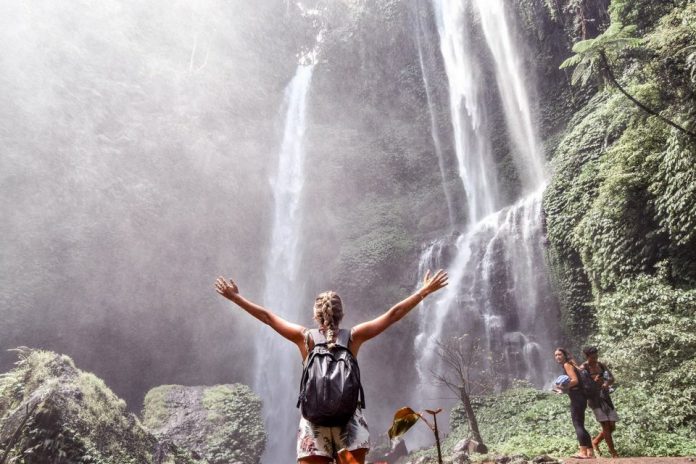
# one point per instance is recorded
(405, 418)
(593, 57)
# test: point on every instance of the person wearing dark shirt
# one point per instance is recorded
(602, 407)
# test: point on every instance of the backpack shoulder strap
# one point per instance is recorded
(307, 338)
(343, 338)
(317, 337)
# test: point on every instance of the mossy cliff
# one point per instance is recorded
(219, 424)
(51, 411)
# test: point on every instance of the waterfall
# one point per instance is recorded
(278, 362)
(425, 54)
(513, 93)
(499, 289)
(467, 109)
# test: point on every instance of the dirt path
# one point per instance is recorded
(632, 460)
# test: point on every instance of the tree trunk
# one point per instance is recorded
(470, 416)
(607, 68)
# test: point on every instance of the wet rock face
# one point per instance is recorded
(51, 411)
(219, 424)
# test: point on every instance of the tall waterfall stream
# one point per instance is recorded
(282, 292)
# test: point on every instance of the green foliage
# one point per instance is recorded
(529, 422)
(649, 332)
(567, 199)
(590, 54)
(643, 13)
(622, 197)
(596, 57)
(673, 186)
(616, 237)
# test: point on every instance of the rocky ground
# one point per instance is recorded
(633, 460)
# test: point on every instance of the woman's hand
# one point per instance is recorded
(434, 283)
(370, 329)
(289, 330)
(227, 289)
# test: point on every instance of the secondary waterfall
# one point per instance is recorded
(499, 290)
(467, 109)
(514, 95)
(278, 363)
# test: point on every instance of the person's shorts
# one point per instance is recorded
(316, 440)
(608, 415)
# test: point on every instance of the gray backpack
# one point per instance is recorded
(330, 388)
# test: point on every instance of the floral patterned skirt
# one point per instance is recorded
(316, 440)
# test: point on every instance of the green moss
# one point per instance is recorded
(237, 432)
(155, 412)
(72, 415)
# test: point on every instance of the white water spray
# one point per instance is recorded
(471, 135)
(278, 364)
(513, 92)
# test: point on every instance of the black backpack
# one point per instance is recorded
(587, 384)
(330, 388)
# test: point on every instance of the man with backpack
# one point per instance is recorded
(600, 381)
(331, 399)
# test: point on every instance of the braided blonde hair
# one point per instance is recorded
(328, 312)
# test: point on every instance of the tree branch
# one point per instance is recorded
(612, 78)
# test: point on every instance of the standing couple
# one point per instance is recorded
(600, 403)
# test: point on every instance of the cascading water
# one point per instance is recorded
(467, 109)
(513, 93)
(434, 130)
(499, 290)
(276, 358)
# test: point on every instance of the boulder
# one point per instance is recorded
(51, 411)
(220, 424)
(545, 459)
(459, 457)
(514, 459)
(470, 446)
(461, 445)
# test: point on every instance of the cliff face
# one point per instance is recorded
(620, 205)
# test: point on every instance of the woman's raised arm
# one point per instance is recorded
(370, 329)
(291, 331)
